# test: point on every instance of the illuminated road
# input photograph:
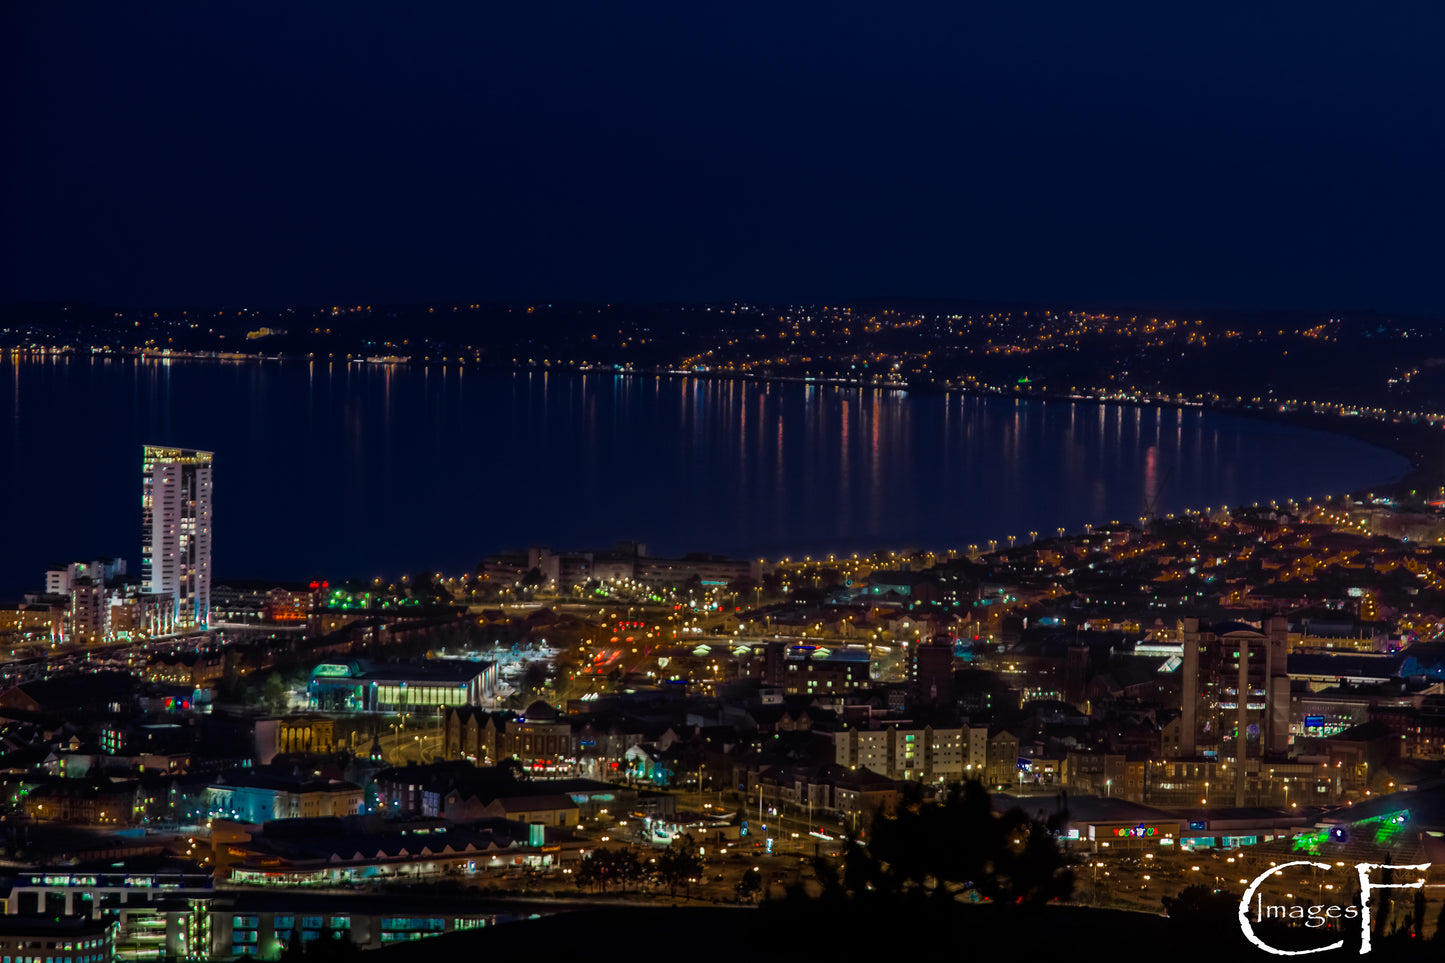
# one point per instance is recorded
(399, 748)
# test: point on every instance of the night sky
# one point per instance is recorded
(1236, 154)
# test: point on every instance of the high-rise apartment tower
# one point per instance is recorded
(1236, 695)
(176, 530)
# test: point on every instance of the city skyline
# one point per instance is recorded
(736, 482)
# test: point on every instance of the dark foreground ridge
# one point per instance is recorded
(789, 932)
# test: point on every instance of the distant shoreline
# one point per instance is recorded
(1421, 444)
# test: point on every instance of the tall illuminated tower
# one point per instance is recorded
(176, 530)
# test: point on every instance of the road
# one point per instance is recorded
(399, 748)
(790, 832)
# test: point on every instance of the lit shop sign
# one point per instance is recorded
(1139, 831)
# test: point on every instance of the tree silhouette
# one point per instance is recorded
(1201, 904)
(589, 872)
(948, 849)
(628, 867)
(679, 865)
(604, 867)
(424, 586)
(273, 692)
(512, 767)
(751, 884)
(772, 585)
(534, 678)
(741, 588)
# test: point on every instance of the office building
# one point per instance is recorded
(176, 531)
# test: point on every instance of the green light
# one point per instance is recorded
(1388, 826)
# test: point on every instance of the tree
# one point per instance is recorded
(587, 875)
(232, 685)
(534, 678)
(751, 884)
(1201, 904)
(603, 867)
(1027, 865)
(772, 585)
(423, 586)
(273, 692)
(593, 871)
(629, 867)
(679, 865)
(741, 589)
(945, 849)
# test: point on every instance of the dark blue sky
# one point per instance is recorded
(1245, 154)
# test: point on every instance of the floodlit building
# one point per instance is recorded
(422, 686)
(255, 796)
(176, 530)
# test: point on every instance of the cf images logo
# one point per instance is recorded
(1254, 910)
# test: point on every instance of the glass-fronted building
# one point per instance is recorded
(364, 686)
